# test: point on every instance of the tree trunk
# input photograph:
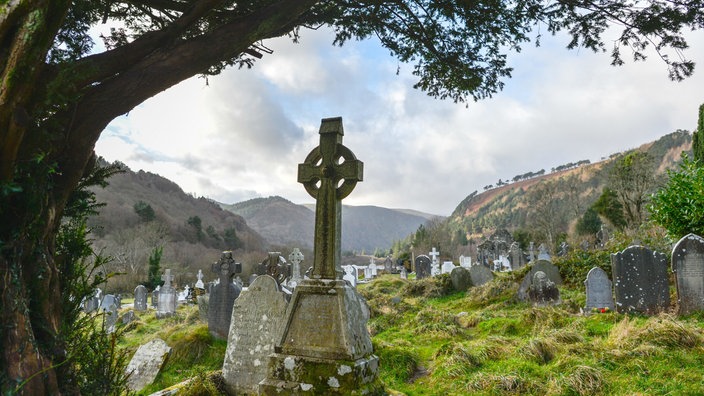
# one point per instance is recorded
(42, 162)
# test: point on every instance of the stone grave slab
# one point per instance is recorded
(422, 265)
(599, 291)
(640, 280)
(257, 319)
(542, 291)
(146, 364)
(688, 267)
(480, 275)
(461, 279)
(140, 298)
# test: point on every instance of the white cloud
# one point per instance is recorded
(244, 134)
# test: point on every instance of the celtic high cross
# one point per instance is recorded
(329, 173)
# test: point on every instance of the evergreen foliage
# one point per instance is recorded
(610, 207)
(154, 271)
(698, 137)
(589, 223)
(679, 205)
(144, 211)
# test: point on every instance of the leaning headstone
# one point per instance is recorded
(542, 290)
(325, 347)
(423, 264)
(460, 278)
(223, 296)
(640, 280)
(257, 317)
(688, 267)
(447, 267)
(166, 304)
(599, 293)
(146, 364)
(480, 275)
(128, 317)
(140, 298)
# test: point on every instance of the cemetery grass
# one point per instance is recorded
(433, 341)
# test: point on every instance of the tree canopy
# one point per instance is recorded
(56, 97)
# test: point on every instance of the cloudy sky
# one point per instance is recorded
(241, 134)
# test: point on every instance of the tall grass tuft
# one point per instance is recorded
(585, 380)
(666, 331)
(540, 350)
(439, 323)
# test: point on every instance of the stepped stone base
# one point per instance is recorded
(300, 375)
(325, 347)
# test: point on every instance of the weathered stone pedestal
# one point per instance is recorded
(325, 347)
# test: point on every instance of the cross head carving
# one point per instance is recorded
(226, 267)
(329, 173)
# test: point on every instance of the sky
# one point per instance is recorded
(241, 134)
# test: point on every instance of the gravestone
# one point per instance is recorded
(460, 278)
(434, 254)
(325, 346)
(166, 304)
(203, 305)
(516, 257)
(350, 275)
(389, 266)
(447, 267)
(688, 267)
(640, 280)
(543, 253)
(423, 264)
(465, 262)
(155, 296)
(403, 272)
(140, 298)
(276, 267)
(110, 318)
(110, 303)
(199, 283)
(128, 317)
(480, 275)
(373, 269)
(531, 252)
(542, 290)
(91, 303)
(223, 295)
(296, 257)
(599, 293)
(146, 364)
(545, 266)
(257, 319)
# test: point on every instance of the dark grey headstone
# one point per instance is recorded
(640, 280)
(549, 269)
(257, 319)
(422, 265)
(516, 257)
(222, 296)
(461, 280)
(140, 298)
(128, 317)
(598, 289)
(480, 275)
(542, 290)
(155, 297)
(688, 267)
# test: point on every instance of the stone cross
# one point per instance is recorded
(329, 173)
(296, 257)
(434, 254)
(167, 278)
(226, 268)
